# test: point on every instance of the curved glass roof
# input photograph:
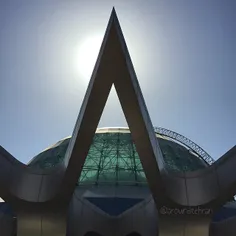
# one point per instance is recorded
(113, 159)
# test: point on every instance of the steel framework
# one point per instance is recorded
(187, 142)
(41, 198)
(113, 158)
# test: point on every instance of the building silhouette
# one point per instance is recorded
(131, 181)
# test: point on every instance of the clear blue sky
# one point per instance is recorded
(183, 51)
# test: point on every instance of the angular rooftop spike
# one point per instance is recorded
(213, 185)
(114, 66)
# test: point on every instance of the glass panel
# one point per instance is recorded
(113, 159)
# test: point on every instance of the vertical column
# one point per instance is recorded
(184, 225)
(37, 220)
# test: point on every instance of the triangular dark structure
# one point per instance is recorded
(114, 206)
(114, 66)
(41, 198)
(57, 185)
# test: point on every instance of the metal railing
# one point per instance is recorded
(187, 142)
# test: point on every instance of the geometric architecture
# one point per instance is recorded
(113, 160)
(112, 148)
(118, 181)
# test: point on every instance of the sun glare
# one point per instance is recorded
(87, 55)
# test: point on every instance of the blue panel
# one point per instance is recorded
(5, 208)
(223, 214)
(114, 206)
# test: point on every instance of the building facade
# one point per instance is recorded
(118, 181)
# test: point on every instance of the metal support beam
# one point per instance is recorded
(184, 225)
(41, 221)
(20, 183)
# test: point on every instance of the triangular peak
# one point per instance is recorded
(114, 66)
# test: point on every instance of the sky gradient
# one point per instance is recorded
(183, 51)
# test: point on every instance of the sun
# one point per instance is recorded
(87, 54)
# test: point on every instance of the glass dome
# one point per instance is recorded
(113, 160)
